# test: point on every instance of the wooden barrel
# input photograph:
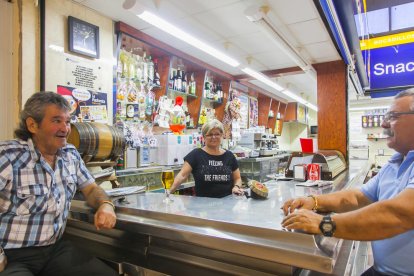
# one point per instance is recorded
(97, 141)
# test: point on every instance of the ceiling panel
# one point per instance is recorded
(322, 51)
(223, 22)
(294, 11)
(228, 21)
(254, 43)
(309, 32)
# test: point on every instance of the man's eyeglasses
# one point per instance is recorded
(215, 135)
(392, 116)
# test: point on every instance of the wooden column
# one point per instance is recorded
(332, 106)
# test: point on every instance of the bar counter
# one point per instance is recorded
(232, 235)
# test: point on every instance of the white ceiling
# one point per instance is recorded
(223, 25)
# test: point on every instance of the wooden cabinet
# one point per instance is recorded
(296, 112)
(268, 106)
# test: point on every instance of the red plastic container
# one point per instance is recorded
(309, 145)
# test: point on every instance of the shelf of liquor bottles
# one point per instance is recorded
(199, 83)
(180, 93)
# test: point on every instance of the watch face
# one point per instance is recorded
(327, 227)
(83, 37)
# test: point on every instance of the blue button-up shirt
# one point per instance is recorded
(34, 198)
(393, 256)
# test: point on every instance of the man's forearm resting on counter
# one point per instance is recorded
(105, 210)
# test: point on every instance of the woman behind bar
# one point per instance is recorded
(215, 170)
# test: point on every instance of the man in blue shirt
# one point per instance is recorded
(382, 211)
(39, 175)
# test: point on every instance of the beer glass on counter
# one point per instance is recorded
(167, 179)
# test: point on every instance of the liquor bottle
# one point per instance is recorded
(156, 74)
(179, 80)
(175, 80)
(193, 84)
(171, 81)
(207, 90)
(150, 70)
(188, 85)
(183, 82)
(145, 69)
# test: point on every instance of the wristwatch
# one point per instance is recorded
(327, 226)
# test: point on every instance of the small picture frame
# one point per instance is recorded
(83, 37)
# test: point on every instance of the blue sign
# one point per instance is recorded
(391, 66)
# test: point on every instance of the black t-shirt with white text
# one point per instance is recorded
(213, 174)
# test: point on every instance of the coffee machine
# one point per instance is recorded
(268, 145)
(261, 144)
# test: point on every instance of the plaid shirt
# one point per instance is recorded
(34, 198)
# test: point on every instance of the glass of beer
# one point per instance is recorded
(167, 179)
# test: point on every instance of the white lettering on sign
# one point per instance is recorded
(388, 69)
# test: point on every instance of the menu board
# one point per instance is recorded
(372, 121)
(244, 110)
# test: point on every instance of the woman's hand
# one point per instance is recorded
(237, 190)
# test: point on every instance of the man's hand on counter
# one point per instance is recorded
(105, 217)
(298, 203)
(304, 220)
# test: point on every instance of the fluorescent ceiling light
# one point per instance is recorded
(180, 34)
(259, 15)
(266, 80)
(262, 78)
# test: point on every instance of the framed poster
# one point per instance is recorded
(253, 112)
(244, 110)
(87, 106)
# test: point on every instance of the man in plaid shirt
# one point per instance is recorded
(39, 175)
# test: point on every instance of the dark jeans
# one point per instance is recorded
(61, 258)
(372, 272)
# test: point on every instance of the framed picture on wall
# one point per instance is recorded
(83, 37)
(253, 112)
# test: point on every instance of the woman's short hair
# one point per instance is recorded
(35, 108)
(210, 125)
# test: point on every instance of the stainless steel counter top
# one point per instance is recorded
(235, 225)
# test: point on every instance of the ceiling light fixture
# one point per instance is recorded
(258, 15)
(266, 80)
(261, 77)
(177, 32)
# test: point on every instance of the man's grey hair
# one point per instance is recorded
(35, 108)
(210, 125)
(407, 93)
